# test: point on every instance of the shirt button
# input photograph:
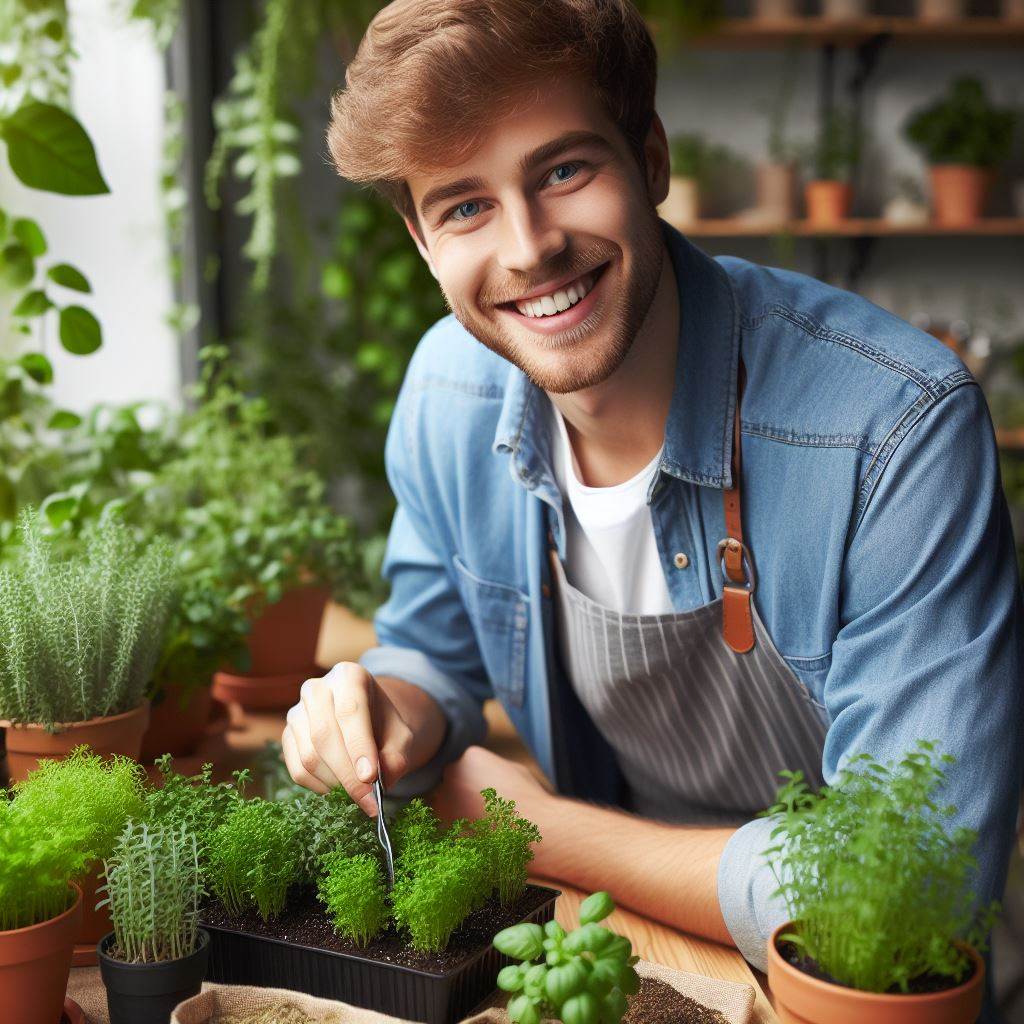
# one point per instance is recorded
(681, 560)
(545, 590)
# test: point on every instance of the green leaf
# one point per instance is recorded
(59, 508)
(68, 277)
(79, 331)
(589, 937)
(37, 366)
(16, 265)
(63, 419)
(580, 1009)
(33, 303)
(596, 907)
(48, 149)
(521, 941)
(29, 234)
(510, 979)
(564, 981)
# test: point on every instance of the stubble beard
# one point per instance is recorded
(591, 351)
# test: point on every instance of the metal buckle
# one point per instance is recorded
(747, 562)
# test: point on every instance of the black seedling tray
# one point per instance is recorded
(243, 958)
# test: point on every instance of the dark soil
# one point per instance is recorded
(305, 923)
(658, 1003)
(920, 985)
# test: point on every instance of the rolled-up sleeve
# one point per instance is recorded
(424, 635)
(929, 647)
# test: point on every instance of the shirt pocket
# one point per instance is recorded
(500, 615)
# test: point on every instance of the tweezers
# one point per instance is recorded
(382, 830)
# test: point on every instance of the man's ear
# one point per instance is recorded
(657, 159)
(419, 245)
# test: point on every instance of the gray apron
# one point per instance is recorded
(699, 707)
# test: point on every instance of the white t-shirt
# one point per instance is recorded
(611, 554)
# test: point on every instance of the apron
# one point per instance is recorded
(700, 709)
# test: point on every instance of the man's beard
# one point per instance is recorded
(587, 355)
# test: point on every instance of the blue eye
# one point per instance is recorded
(468, 202)
(453, 214)
(560, 166)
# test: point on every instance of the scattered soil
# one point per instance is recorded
(305, 923)
(920, 985)
(658, 1003)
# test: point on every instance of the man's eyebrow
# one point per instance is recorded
(540, 155)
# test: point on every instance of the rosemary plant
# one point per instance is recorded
(80, 636)
(153, 888)
(877, 888)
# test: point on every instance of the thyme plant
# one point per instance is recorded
(877, 888)
(331, 825)
(80, 636)
(352, 889)
(255, 856)
(153, 888)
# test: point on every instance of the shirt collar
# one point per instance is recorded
(698, 431)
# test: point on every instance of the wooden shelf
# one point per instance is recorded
(755, 33)
(863, 227)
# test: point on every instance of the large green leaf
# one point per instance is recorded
(80, 331)
(68, 277)
(48, 149)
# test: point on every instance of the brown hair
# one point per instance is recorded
(427, 74)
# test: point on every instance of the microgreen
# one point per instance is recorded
(578, 977)
(330, 824)
(352, 889)
(876, 886)
(153, 889)
(254, 856)
(505, 839)
(414, 833)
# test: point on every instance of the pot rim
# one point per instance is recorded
(6, 723)
(202, 941)
(776, 959)
(50, 921)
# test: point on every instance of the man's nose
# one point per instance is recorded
(528, 240)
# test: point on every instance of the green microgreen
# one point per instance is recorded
(352, 889)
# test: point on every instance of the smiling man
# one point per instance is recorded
(692, 521)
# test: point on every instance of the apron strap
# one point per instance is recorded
(738, 567)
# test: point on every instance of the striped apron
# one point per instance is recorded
(700, 709)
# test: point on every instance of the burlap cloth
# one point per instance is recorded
(230, 1003)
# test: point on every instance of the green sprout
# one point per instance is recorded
(352, 889)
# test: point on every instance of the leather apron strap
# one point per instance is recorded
(737, 564)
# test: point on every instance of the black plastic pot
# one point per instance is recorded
(242, 958)
(148, 993)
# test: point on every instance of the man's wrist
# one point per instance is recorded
(424, 716)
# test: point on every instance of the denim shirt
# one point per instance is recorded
(872, 504)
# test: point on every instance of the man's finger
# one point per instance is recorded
(325, 733)
(395, 740)
(295, 767)
(353, 690)
(306, 752)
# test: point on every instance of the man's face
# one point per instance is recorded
(573, 236)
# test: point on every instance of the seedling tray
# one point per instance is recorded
(241, 957)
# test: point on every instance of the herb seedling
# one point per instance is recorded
(579, 977)
(153, 889)
(505, 839)
(876, 887)
(352, 889)
(254, 858)
(330, 824)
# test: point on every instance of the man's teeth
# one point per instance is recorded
(558, 301)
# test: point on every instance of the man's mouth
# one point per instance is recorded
(562, 307)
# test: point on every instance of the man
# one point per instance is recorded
(674, 593)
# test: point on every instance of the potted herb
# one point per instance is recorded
(829, 162)
(40, 912)
(156, 955)
(420, 950)
(940, 10)
(963, 139)
(776, 176)
(94, 798)
(697, 167)
(81, 636)
(881, 921)
(776, 10)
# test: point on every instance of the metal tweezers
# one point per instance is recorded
(382, 830)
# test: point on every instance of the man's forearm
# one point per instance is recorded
(421, 713)
(667, 872)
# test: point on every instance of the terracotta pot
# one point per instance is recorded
(255, 692)
(284, 637)
(34, 967)
(73, 1013)
(803, 999)
(844, 10)
(112, 734)
(682, 204)
(175, 728)
(776, 190)
(1013, 10)
(828, 202)
(775, 10)
(940, 10)
(95, 923)
(959, 192)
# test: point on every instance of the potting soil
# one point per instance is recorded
(658, 1003)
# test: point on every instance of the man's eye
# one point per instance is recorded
(462, 206)
(560, 167)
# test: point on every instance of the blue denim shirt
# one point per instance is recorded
(872, 503)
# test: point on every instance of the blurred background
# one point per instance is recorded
(201, 324)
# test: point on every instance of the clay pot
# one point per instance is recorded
(111, 734)
(803, 999)
(1012, 10)
(175, 728)
(95, 923)
(284, 637)
(73, 1013)
(682, 204)
(258, 692)
(940, 10)
(34, 967)
(844, 10)
(776, 190)
(828, 202)
(959, 192)
(775, 10)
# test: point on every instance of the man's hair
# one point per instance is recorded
(423, 86)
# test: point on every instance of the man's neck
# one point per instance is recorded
(618, 426)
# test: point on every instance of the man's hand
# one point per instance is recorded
(347, 725)
(458, 793)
